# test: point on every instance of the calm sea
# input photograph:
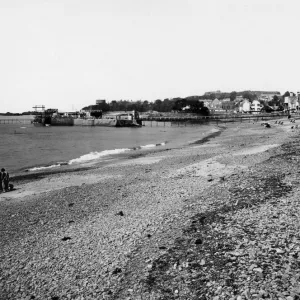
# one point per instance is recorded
(25, 148)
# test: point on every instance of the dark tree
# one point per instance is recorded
(179, 103)
(275, 101)
(249, 96)
(232, 96)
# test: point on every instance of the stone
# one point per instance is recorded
(259, 270)
(198, 241)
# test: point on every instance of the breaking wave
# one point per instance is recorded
(94, 156)
(44, 167)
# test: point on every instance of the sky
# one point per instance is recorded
(65, 54)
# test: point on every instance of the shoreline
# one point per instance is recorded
(159, 194)
(29, 177)
(96, 156)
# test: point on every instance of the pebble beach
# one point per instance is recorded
(217, 219)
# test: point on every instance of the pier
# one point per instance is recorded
(15, 121)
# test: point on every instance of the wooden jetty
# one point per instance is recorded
(15, 121)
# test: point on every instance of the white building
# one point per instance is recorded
(244, 106)
(256, 106)
(291, 102)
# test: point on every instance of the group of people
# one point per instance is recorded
(4, 181)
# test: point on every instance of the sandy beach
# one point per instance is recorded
(218, 219)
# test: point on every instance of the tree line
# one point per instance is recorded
(192, 104)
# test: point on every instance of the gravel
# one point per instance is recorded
(207, 221)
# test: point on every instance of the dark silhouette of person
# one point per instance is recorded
(4, 180)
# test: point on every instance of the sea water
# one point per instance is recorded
(26, 148)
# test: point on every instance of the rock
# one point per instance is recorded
(202, 219)
(66, 238)
(198, 242)
(120, 213)
(247, 294)
(259, 270)
(252, 267)
(116, 271)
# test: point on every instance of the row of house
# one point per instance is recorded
(245, 106)
(238, 105)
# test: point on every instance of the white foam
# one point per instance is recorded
(44, 168)
(95, 155)
(148, 146)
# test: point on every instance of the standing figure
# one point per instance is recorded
(4, 180)
(1, 182)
